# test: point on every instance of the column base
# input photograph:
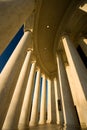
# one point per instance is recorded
(32, 124)
(42, 122)
(83, 126)
(22, 126)
(58, 123)
(48, 122)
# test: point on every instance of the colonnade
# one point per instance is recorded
(24, 103)
(78, 79)
(21, 106)
(10, 73)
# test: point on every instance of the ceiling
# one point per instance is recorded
(53, 18)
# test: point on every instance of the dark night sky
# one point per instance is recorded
(8, 51)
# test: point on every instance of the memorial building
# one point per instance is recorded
(45, 79)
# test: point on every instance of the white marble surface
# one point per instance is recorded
(52, 127)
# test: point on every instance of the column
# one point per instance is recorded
(83, 44)
(67, 102)
(53, 104)
(35, 105)
(26, 107)
(79, 73)
(9, 75)
(12, 117)
(72, 84)
(43, 102)
(59, 118)
(49, 104)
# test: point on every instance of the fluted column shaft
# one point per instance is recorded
(35, 105)
(53, 104)
(43, 102)
(67, 102)
(9, 75)
(72, 84)
(79, 73)
(57, 97)
(11, 65)
(11, 120)
(26, 107)
(49, 103)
